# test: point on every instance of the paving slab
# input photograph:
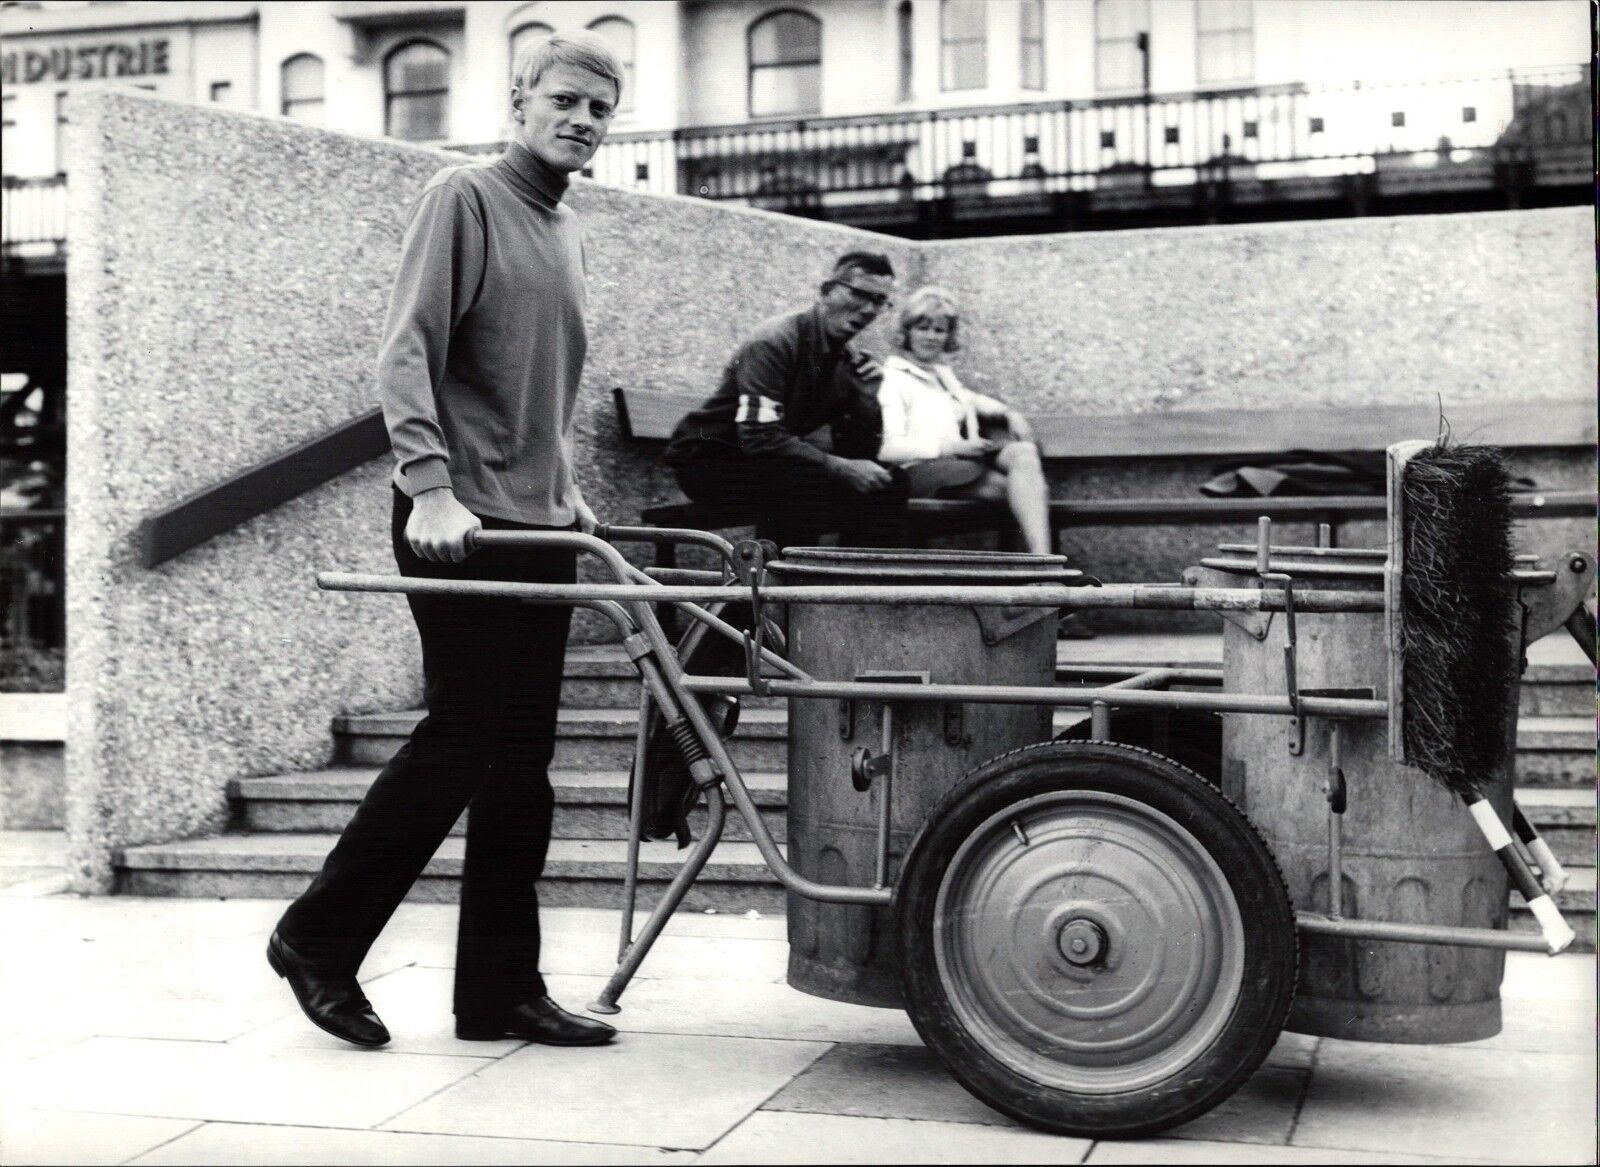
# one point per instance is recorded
(243, 1145)
(1453, 1101)
(48, 1137)
(884, 1081)
(732, 1006)
(664, 1090)
(772, 1137)
(1184, 1151)
(206, 1080)
(912, 1083)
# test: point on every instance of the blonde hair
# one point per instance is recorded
(583, 50)
(927, 305)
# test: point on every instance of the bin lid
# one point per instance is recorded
(919, 566)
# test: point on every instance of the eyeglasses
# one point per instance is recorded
(878, 301)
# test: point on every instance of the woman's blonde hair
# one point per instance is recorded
(925, 306)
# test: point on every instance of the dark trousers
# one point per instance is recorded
(492, 679)
(795, 502)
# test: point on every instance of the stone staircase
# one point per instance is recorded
(285, 824)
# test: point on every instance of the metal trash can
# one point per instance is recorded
(1411, 853)
(845, 953)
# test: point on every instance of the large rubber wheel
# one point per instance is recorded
(1094, 940)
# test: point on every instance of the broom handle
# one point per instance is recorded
(1557, 935)
(1551, 873)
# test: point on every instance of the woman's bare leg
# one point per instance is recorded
(1027, 494)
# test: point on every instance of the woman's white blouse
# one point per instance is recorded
(926, 413)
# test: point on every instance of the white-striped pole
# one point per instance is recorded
(1557, 936)
(1551, 873)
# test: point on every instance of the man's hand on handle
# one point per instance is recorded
(439, 526)
(862, 475)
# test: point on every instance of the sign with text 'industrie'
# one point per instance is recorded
(92, 62)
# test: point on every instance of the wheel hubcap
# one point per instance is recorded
(1103, 954)
(1081, 941)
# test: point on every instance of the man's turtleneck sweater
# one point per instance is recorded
(484, 342)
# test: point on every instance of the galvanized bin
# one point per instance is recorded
(1410, 852)
(841, 952)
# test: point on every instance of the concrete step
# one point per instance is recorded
(586, 739)
(1556, 751)
(577, 873)
(1558, 690)
(589, 804)
(1566, 819)
(1551, 751)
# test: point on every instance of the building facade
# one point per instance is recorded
(831, 106)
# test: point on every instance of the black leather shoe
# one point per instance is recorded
(335, 1005)
(542, 1021)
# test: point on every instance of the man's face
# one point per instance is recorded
(563, 119)
(852, 300)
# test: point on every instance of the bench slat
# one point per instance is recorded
(651, 414)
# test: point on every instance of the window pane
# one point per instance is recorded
(1032, 20)
(1032, 65)
(619, 33)
(309, 111)
(963, 19)
(302, 78)
(1120, 18)
(786, 89)
(1226, 56)
(1215, 15)
(786, 38)
(964, 63)
(417, 118)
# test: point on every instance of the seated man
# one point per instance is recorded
(748, 445)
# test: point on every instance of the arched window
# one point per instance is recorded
(619, 33)
(302, 82)
(416, 88)
(964, 44)
(785, 64)
(521, 36)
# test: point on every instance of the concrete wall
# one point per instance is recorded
(227, 307)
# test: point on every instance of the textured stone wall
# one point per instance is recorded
(227, 282)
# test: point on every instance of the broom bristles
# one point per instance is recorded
(1458, 615)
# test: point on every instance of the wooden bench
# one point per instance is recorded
(649, 415)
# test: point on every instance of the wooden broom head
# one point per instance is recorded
(1458, 615)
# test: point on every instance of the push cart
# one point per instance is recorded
(1095, 938)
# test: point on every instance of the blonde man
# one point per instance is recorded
(478, 372)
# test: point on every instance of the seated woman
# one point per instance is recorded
(934, 426)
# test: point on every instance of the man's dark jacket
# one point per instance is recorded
(786, 381)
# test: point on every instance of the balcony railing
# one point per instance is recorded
(1272, 143)
(1451, 129)
(33, 214)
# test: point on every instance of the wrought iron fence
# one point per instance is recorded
(33, 212)
(1261, 133)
